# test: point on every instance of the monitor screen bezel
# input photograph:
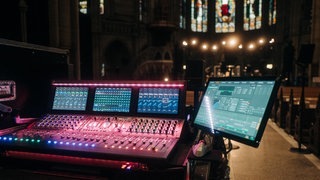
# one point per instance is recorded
(134, 85)
(69, 110)
(111, 111)
(253, 143)
(159, 113)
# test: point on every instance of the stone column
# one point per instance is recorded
(54, 23)
(315, 32)
(23, 10)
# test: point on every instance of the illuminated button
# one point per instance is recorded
(80, 144)
(73, 144)
(61, 142)
(55, 142)
(38, 140)
(49, 142)
(32, 140)
(10, 138)
(93, 145)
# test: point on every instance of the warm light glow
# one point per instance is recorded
(184, 43)
(224, 42)
(194, 42)
(271, 40)
(251, 46)
(232, 42)
(166, 79)
(240, 46)
(204, 46)
(184, 67)
(261, 41)
(269, 66)
(214, 47)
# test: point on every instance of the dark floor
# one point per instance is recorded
(273, 159)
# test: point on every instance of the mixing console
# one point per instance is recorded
(79, 124)
(141, 137)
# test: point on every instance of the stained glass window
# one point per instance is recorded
(101, 6)
(225, 16)
(252, 14)
(182, 23)
(141, 9)
(199, 15)
(272, 12)
(84, 6)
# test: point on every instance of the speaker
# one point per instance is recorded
(194, 74)
(306, 53)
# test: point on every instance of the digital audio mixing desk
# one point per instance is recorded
(123, 124)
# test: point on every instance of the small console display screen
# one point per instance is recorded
(112, 99)
(158, 100)
(70, 98)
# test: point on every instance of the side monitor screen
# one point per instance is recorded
(237, 108)
(70, 98)
(112, 99)
(158, 100)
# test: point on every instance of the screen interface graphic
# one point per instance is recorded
(158, 100)
(112, 99)
(234, 107)
(70, 98)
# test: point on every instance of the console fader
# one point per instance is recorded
(139, 120)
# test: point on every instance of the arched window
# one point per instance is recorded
(183, 13)
(84, 6)
(252, 14)
(272, 12)
(199, 15)
(225, 16)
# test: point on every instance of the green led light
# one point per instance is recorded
(16, 139)
(32, 140)
(21, 139)
(26, 140)
(38, 140)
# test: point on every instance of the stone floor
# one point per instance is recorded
(272, 159)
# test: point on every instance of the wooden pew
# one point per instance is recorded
(303, 121)
(291, 115)
(282, 110)
(284, 95)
